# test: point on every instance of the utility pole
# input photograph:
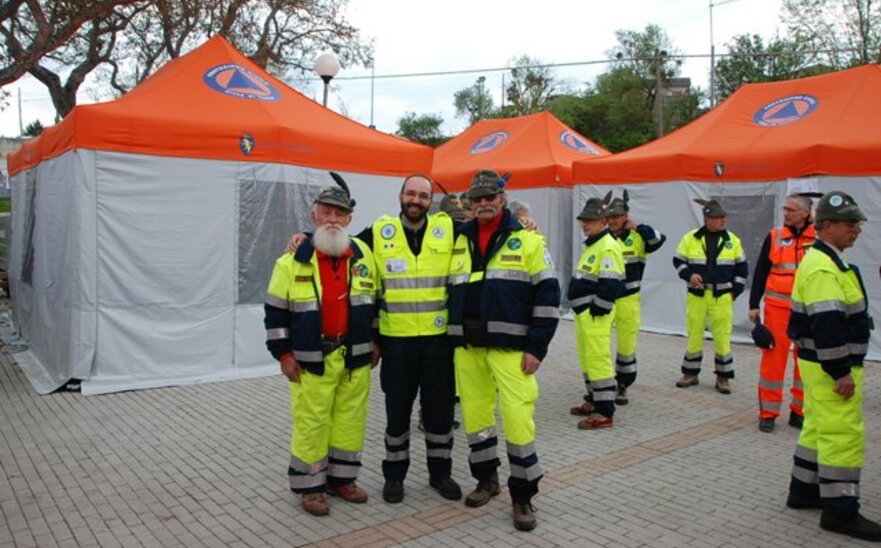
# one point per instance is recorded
(20, 123)
(660, 56)
(480, 82)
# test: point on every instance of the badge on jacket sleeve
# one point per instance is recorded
(438, 232)
(514, 244)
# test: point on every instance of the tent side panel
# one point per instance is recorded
(165, 270)
(52, 266)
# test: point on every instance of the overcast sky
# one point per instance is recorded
(418, 37)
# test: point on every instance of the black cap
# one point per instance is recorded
(486, 182)
(762, 336)
(711, 208)
(838, 206)
(593, 210)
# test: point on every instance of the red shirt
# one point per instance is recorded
(334, 273)
(485, 232)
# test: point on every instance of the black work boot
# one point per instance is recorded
(393, 491)
(621, 398)
(447, 487)
(855, 526)
(524, 516)
(485, 490)
(796, 420)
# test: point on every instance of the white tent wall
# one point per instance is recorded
(551, 209)
(754, 208)
(52, 267)
(151, 271)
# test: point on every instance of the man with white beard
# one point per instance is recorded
(320, 317)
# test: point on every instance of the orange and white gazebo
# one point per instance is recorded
(145, 229)
(763, 143)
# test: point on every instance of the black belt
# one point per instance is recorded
(330, 344)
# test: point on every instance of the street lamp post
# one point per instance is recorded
(326, 66)
(480, 82)
(713, 52)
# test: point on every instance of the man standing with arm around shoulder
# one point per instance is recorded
(782, 251)
(504, 310)
(320, 322)
(711, 261)
(830, 325)
(637, 241)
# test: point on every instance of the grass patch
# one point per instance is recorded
(5, 205)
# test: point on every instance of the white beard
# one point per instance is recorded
(331, 240)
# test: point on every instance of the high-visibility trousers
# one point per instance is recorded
(829, 455)
(593, 335)
(627, 321)
(772, 371)
(481, 374)
(422, 365)
(719, 312)
(329, 416)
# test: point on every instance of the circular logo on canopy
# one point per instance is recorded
(786, 110)
(237, 81)
(576, 143)
(489, 142)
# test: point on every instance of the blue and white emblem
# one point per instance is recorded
(438, 232)
(388, 231)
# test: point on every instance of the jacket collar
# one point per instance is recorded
(596, 237)
(833, 254)
(702, 232)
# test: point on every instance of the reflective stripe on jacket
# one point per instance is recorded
(830, 321)
(599, 276)
(786, 252)
(519, 294)
(730, 271)
(293, 307)
(636, 245)
(413, 296)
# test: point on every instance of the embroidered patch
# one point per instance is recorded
(459, 251)
(388, 231)
(511, 257)
(628, 241)
(302, 278)
(438, 232)
(591, 259)
(439, 321)
(514, 244)
(728, 245)
(608, 263)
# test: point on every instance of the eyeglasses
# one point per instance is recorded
(487, 198)
(791, 209)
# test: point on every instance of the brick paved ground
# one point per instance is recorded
(206, 465)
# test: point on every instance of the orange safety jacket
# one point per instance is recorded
(786, 252)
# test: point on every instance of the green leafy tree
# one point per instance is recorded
(474, 103)
(749, 60)
(845, 32)
(422, 128)
(650, 55)
(34, 129)
(532, 84)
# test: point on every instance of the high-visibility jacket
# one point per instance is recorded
(636, 245)
(728, 275)
(293, 307)
(830, 320)
(413, 294)
(518, 288)
(785, 253)
(599, 276)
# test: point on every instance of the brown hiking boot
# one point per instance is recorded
(349, 492)
(583, 410)
(485, 490)
(687, 380)
(315, 504)
(524, 516)
(722, 385)
(595, 421)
